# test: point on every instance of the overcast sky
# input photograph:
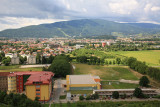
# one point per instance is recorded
(19, 13)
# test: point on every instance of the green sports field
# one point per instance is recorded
(105, 72)
(151, 57)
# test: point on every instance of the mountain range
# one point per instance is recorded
(82, 28)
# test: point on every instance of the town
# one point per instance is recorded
(62, 70)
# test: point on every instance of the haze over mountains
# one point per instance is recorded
(82, 28)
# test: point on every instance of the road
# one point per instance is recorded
(58, 89)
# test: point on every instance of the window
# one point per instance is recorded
(37, 93)
(37, 89)
(37, 86)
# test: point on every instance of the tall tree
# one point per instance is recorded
(144, 81)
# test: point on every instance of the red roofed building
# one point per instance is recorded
(35, 84)
(40, 85)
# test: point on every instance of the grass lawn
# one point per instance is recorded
(105, 72)
(151, 57)
(81, 91)
(117, 85)
(16, 68)
(9, 67)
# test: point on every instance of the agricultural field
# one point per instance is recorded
(151, 57)
(105, 72)
(16, 68)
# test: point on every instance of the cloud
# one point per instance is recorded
(155, 8)
(39, 11)
(14, 22)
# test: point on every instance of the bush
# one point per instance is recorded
(144, 81)
(138, 93)
(81, 97)
(115, 94)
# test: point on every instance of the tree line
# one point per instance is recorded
(142, 68)
(17, 100)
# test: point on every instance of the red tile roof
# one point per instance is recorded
(4, 73)
(44, 77)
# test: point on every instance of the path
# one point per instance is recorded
(32, 66)
(57, 90)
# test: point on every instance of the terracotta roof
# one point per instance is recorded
(43, 77)
(4, 73)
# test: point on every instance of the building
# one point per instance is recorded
(103, 44)
(128, 92)
(9, 55)
(4, 81)
(34, 84)
(15, 59)
(12, 83)
(40, 86)
(82, 82)
(79, 46)
(31, 59)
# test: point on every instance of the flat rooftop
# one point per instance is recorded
(81, 79)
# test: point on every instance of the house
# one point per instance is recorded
(82, 82)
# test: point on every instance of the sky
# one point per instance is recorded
(20, 13)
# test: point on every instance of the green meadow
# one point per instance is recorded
(151, 57)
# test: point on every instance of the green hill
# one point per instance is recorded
(81, 28)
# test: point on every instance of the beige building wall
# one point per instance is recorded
(31, 92)
(12, 84)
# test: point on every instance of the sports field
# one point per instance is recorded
(151, 57)
(16, 68)
(106, 72)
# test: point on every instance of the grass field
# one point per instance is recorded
(16, 68)
(151, 57)
(105, 72)
(81, 91)
(117, 85)
(108, 104)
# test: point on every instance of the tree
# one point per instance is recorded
(50, 59)
(60, 66)
(118, 61)
(114, 62)
(6, 61)
(21, 59)
(115, 94)
(82, 59)
(81, 97)
(110, 62)
(138, 93)
(44, 60)
(144, 81)
(131, 60)
(38, 58)
(106, 62)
